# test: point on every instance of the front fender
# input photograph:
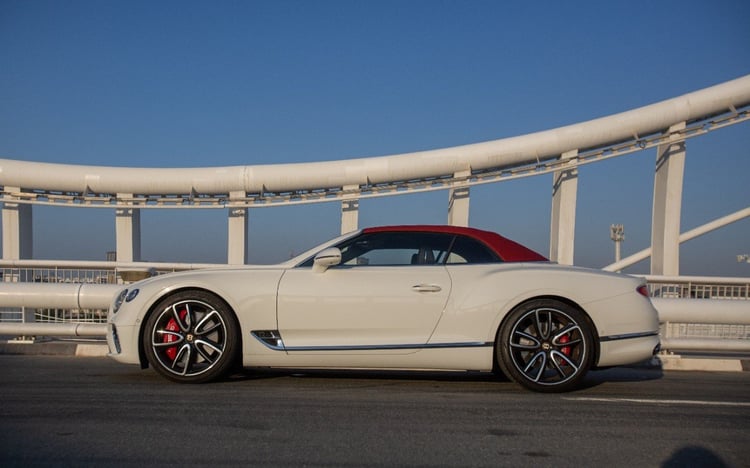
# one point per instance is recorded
(251, 294)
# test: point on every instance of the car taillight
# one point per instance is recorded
(643, 290)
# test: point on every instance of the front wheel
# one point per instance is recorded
(191, 337)
(546, 345)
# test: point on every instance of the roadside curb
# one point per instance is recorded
(704, 363)
(88, 349)
(53, 348)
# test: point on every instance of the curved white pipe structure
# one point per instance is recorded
(91, 330)
(497, 154)
(58, 295)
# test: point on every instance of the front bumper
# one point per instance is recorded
(122, 342)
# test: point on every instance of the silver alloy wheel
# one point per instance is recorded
(546, 345)
(188, 338)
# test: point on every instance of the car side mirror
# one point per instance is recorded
(326, 259)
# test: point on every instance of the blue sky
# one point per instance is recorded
(183, 84)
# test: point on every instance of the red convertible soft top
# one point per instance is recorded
(506, 249)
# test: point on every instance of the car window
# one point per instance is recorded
(411, 248)
(468, 250)
(396, 248)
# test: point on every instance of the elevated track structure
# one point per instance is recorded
(665, 126)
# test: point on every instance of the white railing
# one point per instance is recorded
(77, 271)
(11, 315)
(699, 287)
(73, 274)
(704, 324)
(696, 313)
(690, 323)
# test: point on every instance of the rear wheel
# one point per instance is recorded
(546, 346)
(192, 337)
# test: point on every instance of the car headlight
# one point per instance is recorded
(131, 295)
(119, 300)
(126, 295)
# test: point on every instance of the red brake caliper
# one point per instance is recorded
(565, 349)
(173, 327)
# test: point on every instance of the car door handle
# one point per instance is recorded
(426, 288)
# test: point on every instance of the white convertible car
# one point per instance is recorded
(401, 297)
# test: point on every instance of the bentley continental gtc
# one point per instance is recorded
(390, 298)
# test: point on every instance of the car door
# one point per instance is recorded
(388, 294)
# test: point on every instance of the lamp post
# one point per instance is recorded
(617, 234)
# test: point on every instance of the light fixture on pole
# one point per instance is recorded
(617, 234)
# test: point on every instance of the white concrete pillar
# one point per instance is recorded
(17, 229)
(563, 220)
(237, 252)
(349, 216)
(458, 203)
(350, 212)
(666, 214)
(128, 232)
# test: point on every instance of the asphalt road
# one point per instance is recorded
(66, 411)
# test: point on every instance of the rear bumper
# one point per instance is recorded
(622, 350)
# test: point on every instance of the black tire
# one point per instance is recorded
(546, 346)
(192, 337)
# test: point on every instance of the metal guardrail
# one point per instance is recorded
(69, 275)
(77, 329)
(696, 313)
(11, 315)
(704, 324)
(702, 313)
(698, 287)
